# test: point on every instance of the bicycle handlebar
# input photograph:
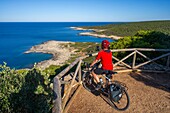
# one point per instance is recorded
(93, 67)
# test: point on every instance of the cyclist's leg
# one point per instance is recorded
(95, 73)
(108, 74)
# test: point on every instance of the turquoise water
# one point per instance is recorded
(16, 38)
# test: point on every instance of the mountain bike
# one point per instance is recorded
(113, 92)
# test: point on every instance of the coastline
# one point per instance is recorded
(60, 50)
(94, 33)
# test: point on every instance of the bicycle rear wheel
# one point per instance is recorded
(123, 103)
(88, 82)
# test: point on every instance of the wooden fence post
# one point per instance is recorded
(80, 73)
(134, 60)
(72, 82)
(57, 108)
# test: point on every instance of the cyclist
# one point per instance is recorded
(105, 56)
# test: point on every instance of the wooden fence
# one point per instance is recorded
(63, 102)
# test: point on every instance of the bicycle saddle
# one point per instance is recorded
(109, 72)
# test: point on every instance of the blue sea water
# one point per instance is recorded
(18, 37)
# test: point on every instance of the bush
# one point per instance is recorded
(144, 39)
(10, 82)
(25, 91)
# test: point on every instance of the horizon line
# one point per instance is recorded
(76, 21)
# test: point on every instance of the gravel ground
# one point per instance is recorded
(149, 93)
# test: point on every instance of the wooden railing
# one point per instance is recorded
(62, 103)
(139, 51)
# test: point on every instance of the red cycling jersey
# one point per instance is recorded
(106, 59)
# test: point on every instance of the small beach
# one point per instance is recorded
(94, 32)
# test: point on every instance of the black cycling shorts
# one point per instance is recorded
(100, 71)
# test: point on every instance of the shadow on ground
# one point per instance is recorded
(156, 80)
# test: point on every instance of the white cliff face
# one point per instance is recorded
(60, 52)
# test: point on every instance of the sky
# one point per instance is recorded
(83, 10)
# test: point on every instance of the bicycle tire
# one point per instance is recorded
(88, 82)
(115, 104)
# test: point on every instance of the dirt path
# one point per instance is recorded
(149, 93)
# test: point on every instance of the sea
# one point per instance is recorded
(18, 37)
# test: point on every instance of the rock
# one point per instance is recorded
(59, 52)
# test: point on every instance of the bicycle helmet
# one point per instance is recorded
(105, 44)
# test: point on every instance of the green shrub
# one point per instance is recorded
(10, 82)
(143, 39)
(25, 91)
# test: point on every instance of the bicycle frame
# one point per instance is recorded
(107, 78)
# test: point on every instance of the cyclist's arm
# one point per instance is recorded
(95, 61)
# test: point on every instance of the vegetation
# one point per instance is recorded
(143, 39)
(83, 48)
(26, 91)
(130, 29)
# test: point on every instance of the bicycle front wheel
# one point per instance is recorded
(88, 82)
